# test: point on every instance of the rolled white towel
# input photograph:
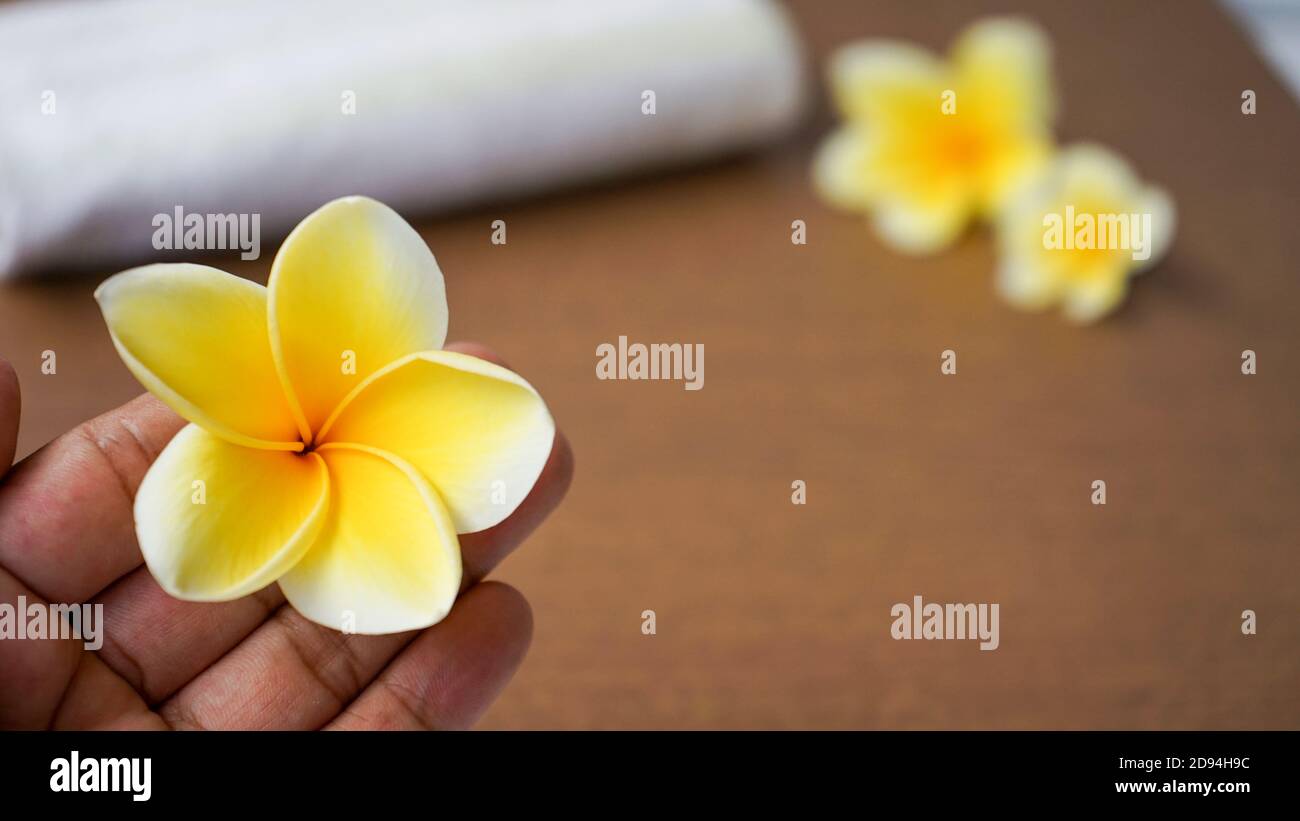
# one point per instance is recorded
(115, 111)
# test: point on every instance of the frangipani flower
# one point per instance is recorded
(333, 446)
(929, 144)
(1076, 232)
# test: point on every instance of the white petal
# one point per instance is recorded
(477, 431)
(217, 521)
(387, 559)
(840, 170)
(1092, 300)
(1164, 218)
(353, 288)
(1026, 286)
(196, 337)
(922, 227)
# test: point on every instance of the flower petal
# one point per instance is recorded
(196, 338)
(477, 431)
(1004, 65)
(1025, 285)
(884, 81)
(1013, 168)
(353, 288)
(923, 226)
(1164, 219)
(1089, 170)
(388, 559)
(841, 172)
(1092, 299)
(218, 521)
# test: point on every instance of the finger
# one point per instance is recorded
(483, 551)
(52, 682)
(10, 409)
(291, 673)
(98, 699)
(33, 674)
(66, 527)
(448, 676)
(477, 349)
(83, 485)
(159, 643)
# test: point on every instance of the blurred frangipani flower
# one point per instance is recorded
(1076, 234)
(333, 446)
(929, 146)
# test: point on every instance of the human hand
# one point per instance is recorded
(67, 535)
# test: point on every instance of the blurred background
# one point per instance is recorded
(822, 359)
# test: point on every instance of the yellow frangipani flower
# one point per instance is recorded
(1075, 234)
(333, 446)
(928, 144)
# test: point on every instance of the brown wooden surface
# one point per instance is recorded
(822, 365)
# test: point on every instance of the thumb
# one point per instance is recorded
(10, 408)
(67, 527)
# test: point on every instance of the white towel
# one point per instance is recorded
(114, 111)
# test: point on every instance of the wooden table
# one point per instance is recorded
(823, 365)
